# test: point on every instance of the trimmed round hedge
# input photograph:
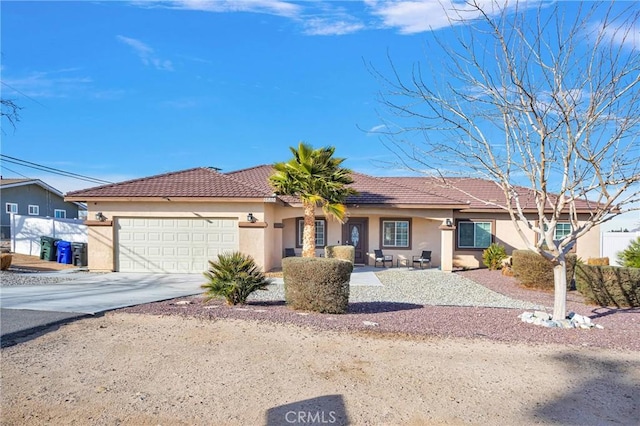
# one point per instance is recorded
(317, 284)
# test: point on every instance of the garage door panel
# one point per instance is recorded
(173, 245)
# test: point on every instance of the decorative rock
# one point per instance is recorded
(183, 302)
(370, 323)
(542, 315)
(573, 320)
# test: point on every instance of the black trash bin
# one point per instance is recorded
(64, 252)
(48, 248)
(79, 254)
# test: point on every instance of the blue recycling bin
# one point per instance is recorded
(64, 252)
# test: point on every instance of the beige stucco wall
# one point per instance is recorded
(506, 235)
(425, 232)
(266, 243)
(101, 239)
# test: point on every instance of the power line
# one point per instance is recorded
(52, 170)
(13, 171)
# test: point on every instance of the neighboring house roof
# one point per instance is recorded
(13, 183)
(253, 183)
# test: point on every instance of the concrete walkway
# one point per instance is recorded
(101, 292)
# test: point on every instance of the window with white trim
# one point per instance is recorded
(474, 234)
(34, 210)
(321, 232)
(395, 233)
(562, 230)
(11, 208)
(59, 214)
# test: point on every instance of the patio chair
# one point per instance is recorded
(381, 258)
(425, 257)
(289, 252)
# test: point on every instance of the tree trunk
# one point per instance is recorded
(309, 233)
(560, 290)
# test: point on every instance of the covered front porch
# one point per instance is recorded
(401, 238)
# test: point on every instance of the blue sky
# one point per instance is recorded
(119, 90)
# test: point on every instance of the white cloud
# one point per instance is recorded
(146, 54)
(416, 16)
(377, 129)
(50, 84)
(323, 26)
(271, 7)
(623, 35)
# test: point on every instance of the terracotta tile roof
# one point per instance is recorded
(199, 182)
(375, 190)
(253, 182)
(481, 189)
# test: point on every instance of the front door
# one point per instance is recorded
(354, 233)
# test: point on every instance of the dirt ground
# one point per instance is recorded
(26, 263)
(134, 369)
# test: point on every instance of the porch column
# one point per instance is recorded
(446, 247)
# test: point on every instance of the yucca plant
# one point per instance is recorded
(233, 276)
(493, 256)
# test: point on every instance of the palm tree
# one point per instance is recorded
(316, 177)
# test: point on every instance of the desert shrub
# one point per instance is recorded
(609, 285)
(233, 276)
(630, 257)
(340, 252)
(598, 261)
(317, 284)
(5, 261)
(534, 271)
(493, 256)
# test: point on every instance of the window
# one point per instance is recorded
(34, 210)
(474, 235)
(59, 214)
(11, 208)
(562, 230)
(396, 233)
(321, 232)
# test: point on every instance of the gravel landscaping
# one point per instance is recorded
(428, 303)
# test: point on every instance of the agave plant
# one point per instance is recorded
(233, 276)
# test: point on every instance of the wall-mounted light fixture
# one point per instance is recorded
(100, 217)
(449, 224)
(251, 218)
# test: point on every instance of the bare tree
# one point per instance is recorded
(544, 97)
(9, 111)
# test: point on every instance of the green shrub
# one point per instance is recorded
(341, 252)
(493, 256)
(630, 257)
(609, 285)
(317, 284)
(233, 276)
(534, 271)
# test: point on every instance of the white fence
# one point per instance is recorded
(27, 230)
(611, 243)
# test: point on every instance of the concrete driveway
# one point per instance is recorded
(101, 292)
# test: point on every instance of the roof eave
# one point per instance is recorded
(168, 199)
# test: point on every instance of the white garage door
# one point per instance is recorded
(173, 245)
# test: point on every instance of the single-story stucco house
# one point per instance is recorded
(176, 222)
